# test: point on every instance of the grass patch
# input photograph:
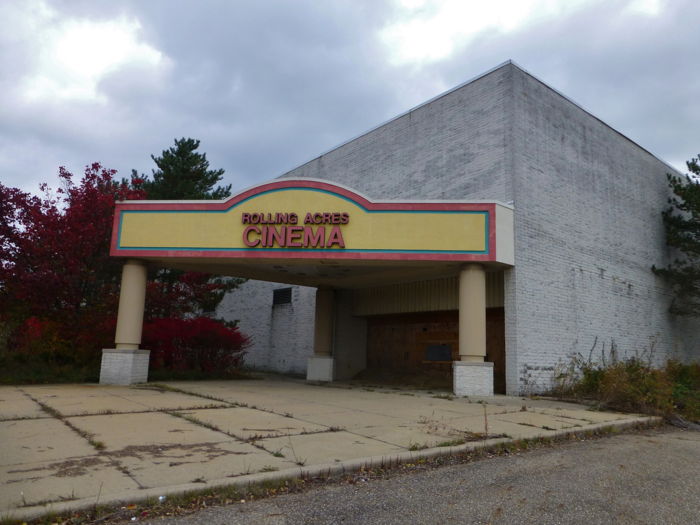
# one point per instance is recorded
(452, 443)
(448, 397)
(28, 369)
(195, 375)
(52, 368)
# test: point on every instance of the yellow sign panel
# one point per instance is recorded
(302, 219)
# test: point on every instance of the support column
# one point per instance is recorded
(127, 364)
(472, 375)
(321, 367)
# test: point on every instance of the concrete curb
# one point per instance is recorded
(326, 470)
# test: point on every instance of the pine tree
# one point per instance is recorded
(682, 221)
(183, 174)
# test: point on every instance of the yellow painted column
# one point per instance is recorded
(323, 323)
(472, 313)
(132, 299)
(472, 376)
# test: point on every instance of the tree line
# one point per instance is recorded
(59, 288)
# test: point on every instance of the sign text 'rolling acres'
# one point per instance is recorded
(266, 230)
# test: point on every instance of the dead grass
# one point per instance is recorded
(631, 384)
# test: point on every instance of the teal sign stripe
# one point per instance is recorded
(321, 250)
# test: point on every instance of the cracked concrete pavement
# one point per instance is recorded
(70, 446)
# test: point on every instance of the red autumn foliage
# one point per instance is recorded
(56, 276)
(198, 343)
(59, 288)
(173, 294)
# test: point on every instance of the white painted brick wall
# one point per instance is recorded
(588, 229)
(282, 336)
(587, 221)
(453, 147)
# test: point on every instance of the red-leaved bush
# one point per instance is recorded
(59, 288)
(198, 343)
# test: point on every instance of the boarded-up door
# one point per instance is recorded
(399, 342)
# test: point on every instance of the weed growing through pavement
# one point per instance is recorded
(166, 388)
(297, 460)
(452, 443)
(252, 440)
(98, 445)
(445, 428)
(192, 419)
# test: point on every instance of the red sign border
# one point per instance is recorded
(255, 253)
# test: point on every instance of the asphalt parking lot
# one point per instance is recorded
(647, 477)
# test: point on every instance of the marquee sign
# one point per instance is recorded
(306, 219)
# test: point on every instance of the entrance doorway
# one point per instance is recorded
(416, 345)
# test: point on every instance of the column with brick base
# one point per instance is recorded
(127, 364)
(321, 367)
(472, 376)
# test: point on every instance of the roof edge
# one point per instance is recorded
(572, 101)
(459, 86)
(429, 101)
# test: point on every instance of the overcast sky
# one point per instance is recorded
(269, 84)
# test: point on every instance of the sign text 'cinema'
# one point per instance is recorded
(262, 230)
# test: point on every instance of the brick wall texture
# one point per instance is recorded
(588, 224)
(282, 336)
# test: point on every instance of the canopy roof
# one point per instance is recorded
(314, 233)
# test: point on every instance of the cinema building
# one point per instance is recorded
(496, 231)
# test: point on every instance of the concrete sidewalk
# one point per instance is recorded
(70, 446)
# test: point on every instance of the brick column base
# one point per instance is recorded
(124, 367)
(472, 378)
